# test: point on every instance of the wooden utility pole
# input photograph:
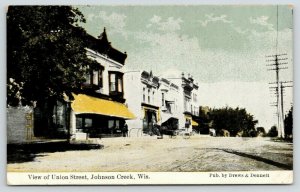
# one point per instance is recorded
(282, 103)
(278, 63)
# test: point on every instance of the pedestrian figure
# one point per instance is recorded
(158, 131)
(125, 130)
(187, 124)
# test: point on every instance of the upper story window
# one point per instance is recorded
(153, 93)
(115, 82)
(100, 77)
(195, 97)
(88, 78)
(112, 82)
(120, 84)
(148, 95)
(95, 77)
(144, 94)
(169, 108)
(186, 103)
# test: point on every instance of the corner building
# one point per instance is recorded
(99, 110)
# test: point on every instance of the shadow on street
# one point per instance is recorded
(20, 153)
(258, 158)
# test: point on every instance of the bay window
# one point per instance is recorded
(95, 77)
(112, 79)
(115, 82)
(120, 86)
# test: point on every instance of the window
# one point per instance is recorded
(95, 77)
(111, 124)
(88, 78)
(112, 80)
(117, 124)
(163, 99)
(115, 82)
(59, 115)
(100, 79)
(83, 123)
(79, 123)
(144, 96)
(153, 97)
(168, 106)
(88, 122)
(148, 95)
(120, 87)
(186, 103)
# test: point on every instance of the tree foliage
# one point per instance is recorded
(233, 120)
(205, 124)
(273, 132)
(46, 54)
(261, 131)
(288, 123)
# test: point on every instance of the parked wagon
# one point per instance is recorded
(169, 127)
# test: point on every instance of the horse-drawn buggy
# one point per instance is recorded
(169, 127)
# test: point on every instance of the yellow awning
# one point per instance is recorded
(87, 104)
(194, 123)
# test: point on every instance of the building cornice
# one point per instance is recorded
(95, 53)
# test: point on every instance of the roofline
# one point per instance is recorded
(103, 57)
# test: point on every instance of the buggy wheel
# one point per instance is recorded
(172, 136)
(186, 135)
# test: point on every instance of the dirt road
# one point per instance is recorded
(152, 154)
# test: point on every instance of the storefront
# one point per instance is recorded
(96, 118)
(151, 117)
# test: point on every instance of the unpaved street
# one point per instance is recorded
(152, 154)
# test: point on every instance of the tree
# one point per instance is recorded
(261, 131)
(46, 58)
(273, 132)
(288, 124)
(234, 120)
(45, 53)
(203, 116)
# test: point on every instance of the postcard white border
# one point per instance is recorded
(3, 187)
(149, 178)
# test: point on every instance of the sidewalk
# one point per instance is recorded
(18, 153)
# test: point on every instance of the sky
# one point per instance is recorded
(223, 47)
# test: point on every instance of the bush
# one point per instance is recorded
(273, 132)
